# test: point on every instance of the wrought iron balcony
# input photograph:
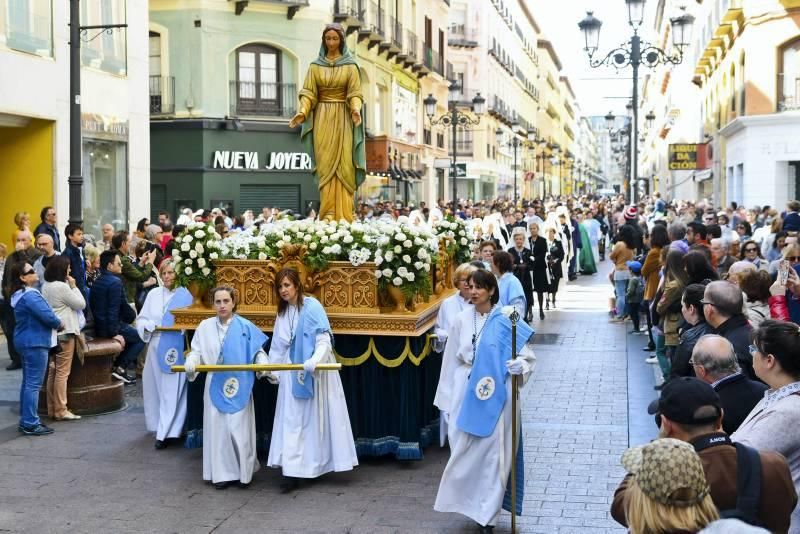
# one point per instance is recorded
(263, 99)
(433, 60)
(459, 35)
(162, 95)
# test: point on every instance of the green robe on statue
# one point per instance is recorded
(586, 263)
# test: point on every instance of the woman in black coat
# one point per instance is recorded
(555, 257)
(523, 263)
(538, 246)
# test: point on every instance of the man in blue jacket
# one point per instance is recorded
(113, 315)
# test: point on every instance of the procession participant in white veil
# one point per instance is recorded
(415, 218)
(493, 226)
(229, 426)
(435, 215)
(511, 292)
(475, 480)
(311, 434)
(164, 392)
(448, 311)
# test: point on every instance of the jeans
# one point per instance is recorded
(34, 363)
(133, 346)
(620, 288)
(661, 353)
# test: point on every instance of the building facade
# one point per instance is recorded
(35, 107)
(747, 69)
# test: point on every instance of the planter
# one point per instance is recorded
(398, 298)
(199, 293)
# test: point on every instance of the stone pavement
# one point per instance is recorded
(101, 474)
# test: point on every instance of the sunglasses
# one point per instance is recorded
(751, 250)
(793, 259)
(26, 273)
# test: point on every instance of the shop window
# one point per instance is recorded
(789, 76)
(105, 185)
(109, 51)
(258, 86)
(27, 26)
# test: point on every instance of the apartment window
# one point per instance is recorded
(742, 99)
(789, 76)
(109, 52)
(426, 137)
(27, 26)
(257, 86)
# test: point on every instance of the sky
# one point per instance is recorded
(598, 90)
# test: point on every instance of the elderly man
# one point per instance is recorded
(690, 410)
(48, 225)
(714, 362)
(25, 252)
(719, 251)
(45, 245)
(108, 234)
(722, 307)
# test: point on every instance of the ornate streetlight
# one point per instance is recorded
(515, 143)
(453, 119)
(635, 53)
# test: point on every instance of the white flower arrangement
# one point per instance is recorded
(199, 246)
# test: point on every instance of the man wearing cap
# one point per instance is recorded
(690, 410)
(722, 307)
(631, 215)
(714, 362)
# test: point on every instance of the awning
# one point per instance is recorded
(702, 176)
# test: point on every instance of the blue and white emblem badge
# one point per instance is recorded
(171, 357)
(231, 387)
(485, 388)
(301, 377)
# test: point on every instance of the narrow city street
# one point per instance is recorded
(101, 474)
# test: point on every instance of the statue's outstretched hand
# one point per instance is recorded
(297, 120)
(356, 115)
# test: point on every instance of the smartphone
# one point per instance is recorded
(783, 272)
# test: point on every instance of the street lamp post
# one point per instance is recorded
(78, 33)
(453, 119)
(636, 53)
(515, 143)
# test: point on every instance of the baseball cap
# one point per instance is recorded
(682, 397)
(666, 468)
(634, 266)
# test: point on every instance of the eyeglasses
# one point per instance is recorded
(704, 302)
(753, 350)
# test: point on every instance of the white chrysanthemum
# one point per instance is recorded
(199, 248)
(410, 277)
(188, 271)
(307, 238)
(407, 243)
(348, 239)
(185, 247)
(378, 260)
(378, 274)
(463, 241)
(206, 271)
(398, 249)
(313, 246)
(201, 262)
(199, 234)
(262, 256)
(397, 281)
(418, 265)
(280, 244)
(406, 258)
(192, 254)
(402, 271)
(389, 255)
(213, 255)
(336, 249)
(323, 239)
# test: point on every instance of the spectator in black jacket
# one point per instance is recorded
(722, 306)
(48, 226)
(696, 327)
(113, 315)
(714, 360)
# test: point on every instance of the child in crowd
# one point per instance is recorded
(635, 293)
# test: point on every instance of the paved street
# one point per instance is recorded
(102, 474)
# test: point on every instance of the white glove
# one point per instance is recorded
(446, 417)
(310, 365)
(190, 367)
(262, 374)
(517, 366)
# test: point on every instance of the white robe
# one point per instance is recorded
(229, 439)
(474, 480)
(448, 311)
(164, 393)
(310, 437)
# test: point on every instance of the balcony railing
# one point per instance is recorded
(162, 95)
(343, 9)
(397, 32)
(788, 92)
(464, 147)
(411, 45)
(263, 99)
(433, 60)
(461, 35)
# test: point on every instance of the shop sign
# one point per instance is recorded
(99, 126)
(682, 157)
(274, 161)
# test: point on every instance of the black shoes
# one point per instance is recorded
(289, 484)
(122, 375)
(649, 348)
(36, 430)
(13, 366)
(160, 444)
(485, 529)
(229, 483)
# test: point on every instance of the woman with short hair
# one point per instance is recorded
(772, 425)
(523, 264)
(539, 271)
(163, 391)
(555, 260)
(65, 298)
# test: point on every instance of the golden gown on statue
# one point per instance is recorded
(332, 93)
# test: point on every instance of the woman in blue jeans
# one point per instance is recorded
(34, 335)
